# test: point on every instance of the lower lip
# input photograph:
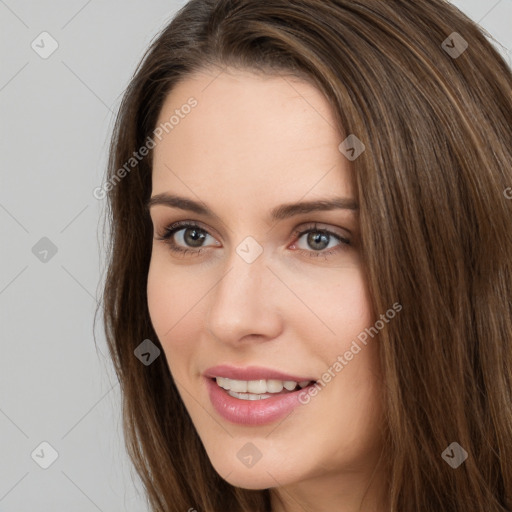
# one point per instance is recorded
(252, 412)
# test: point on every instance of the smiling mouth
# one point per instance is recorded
(258, 389)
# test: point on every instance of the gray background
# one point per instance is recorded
(56, 119)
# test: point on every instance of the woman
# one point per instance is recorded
(309, 292)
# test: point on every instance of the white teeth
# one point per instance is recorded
(247, 396)
(223, 383)
(240, 386)
(290, 385)
(275, 386)
(258, 387)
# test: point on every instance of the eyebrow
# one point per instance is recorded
(281, 212)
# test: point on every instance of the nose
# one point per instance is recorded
(244, 304)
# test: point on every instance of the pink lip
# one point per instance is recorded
(251, 373)
(252, 412)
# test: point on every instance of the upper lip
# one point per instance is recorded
(252, 373)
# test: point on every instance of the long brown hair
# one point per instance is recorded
(436, 235)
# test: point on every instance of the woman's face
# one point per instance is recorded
(262, 291)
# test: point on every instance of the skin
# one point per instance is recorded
(254, 142)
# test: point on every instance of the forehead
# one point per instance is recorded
(249, 138)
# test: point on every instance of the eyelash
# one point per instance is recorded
(170, 230)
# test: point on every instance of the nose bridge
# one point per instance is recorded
(241, 286)
(246, 272)
(240, 303)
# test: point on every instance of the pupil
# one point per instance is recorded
(196, 238)
(316, 238)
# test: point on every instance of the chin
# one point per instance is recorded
(263, 475)
(237, 474)
(249, 480)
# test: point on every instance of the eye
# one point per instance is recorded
(319, 240)
(188, 237)
(193, 236)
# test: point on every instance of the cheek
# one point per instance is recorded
(349, 313)
(346, 308)
(358, 300)
(357, 304)
(158, 296)
(174, 309)
(169, 294)
(166, 301)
